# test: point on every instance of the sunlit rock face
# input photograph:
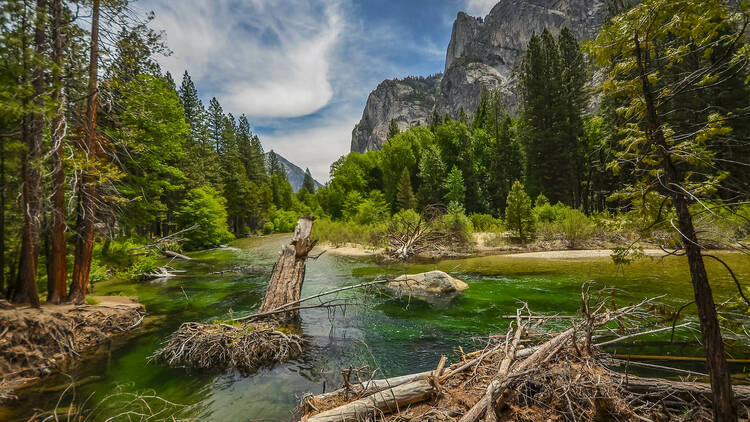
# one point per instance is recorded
(481, 52)
(408, 101)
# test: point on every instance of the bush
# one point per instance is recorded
(339, 233)
(575, 227)
(457, 223)
(545, 212)
(284, 221)
(485, 223)
(98, 272)
(142, 265)
(268, 228)
(206, 208)
(372, 210)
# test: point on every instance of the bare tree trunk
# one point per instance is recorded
(87, 185)
(2, 218)
(724, 408)
(288, 274)
(32, 175)
(58, 267)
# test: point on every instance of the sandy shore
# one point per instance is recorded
(349, 249)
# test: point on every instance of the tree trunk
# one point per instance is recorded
(56, 290)
(2, 218)
(288, 274)
(87, 202)
(32, 175)
(724, 409)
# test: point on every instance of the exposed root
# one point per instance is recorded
(245, 347)
(33, 342)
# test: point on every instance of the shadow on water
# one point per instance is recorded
(396, 336)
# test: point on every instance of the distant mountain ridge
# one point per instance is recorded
(294, 174)
(481, 52)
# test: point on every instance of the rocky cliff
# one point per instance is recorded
(481, 52)
(408, 101)
(294, 174)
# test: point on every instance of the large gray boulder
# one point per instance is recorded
(429, 285)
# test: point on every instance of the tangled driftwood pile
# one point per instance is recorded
(244, 347)
(566, 377)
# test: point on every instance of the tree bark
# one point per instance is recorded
(285, 285)
(32, 175)
(724, 409)
(87, 202)
(58, 267)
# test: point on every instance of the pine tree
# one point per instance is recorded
(518, 215)
(195, 112)
(308, 184)
(480, 114)
(431, 172)
(455, 190)
(435, 121)
(462, 117)
(216, 124)
(404, 194)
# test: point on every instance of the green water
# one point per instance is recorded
(396, 336)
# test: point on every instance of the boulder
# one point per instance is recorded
(432, 284)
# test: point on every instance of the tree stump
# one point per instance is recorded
(285, 285)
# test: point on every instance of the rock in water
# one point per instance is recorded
(432, 286)
(481, 52)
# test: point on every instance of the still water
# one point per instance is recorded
(394, 336)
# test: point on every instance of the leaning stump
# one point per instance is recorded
(257, 340)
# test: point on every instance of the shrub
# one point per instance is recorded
(372, 210)
(485, 223)
(268, 227)
(142, 265)
(575, 227)
(98, 272)
(206, 208)
(457, 223)
(340, 233)
(284, 221)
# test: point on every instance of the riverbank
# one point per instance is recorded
(483, 246)
(35, 342)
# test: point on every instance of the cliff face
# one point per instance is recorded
(408, 101)
(481, 52)
(294, 174)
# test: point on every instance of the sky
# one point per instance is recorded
(301, 70)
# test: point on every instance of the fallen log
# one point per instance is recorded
(383, 402)
(171, 254)
(363, 389)
(687, 391)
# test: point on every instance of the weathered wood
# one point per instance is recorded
(171, 254)
(687, 391)
(285, 285)
(383, 402)
(370, 387)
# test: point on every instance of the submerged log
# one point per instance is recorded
(171, 254)
(285, 285)
(383, 402)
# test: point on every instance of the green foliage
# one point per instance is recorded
(454, 187)
(142, 265)
(404, 194)
(284, 221)
(576, 227)
(485, 223)
(518, 213)
(206, 208)
(457, 223)
(393, 129)
(268, 227)
(372, 210)
(340, 233)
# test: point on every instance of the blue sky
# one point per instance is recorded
(302, 69)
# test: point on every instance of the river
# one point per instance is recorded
(394, 336)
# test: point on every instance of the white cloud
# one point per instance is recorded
(314, 147)
(480, 7)
(259, 60)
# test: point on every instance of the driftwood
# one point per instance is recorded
(171, 254)
(161, 272)
(288, 274)
(566, 368)
(383, 402)
(172, 237)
